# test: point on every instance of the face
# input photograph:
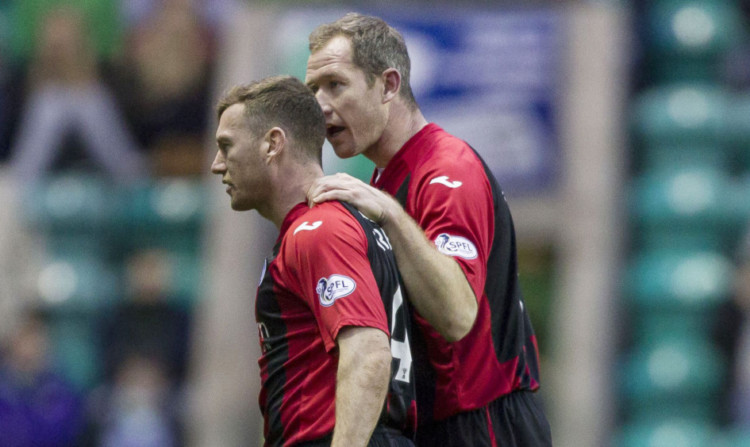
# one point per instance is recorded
(239, 160)
(355, 112)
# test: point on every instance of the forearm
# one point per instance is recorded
(361, 385)
(436, 284)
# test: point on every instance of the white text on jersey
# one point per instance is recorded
(455, 246)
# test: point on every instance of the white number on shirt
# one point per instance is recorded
(400, 349)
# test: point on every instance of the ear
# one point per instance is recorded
(274, 144)
(391, 84)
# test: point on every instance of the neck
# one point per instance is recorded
(403, 123)
(290, 187)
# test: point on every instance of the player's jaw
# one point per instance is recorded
(344, 144)
(230, 190)
(240, 201)
(234, 194)
(341, 140)
(346, 140)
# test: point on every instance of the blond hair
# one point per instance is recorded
(376, 47)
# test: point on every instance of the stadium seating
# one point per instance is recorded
(685, 205)
(733, 438)
(673, 376)
(88, 227)
(694, 280)
(686, 38)
(76, 350)
(667, 432)
(70, 203)
(78, 283)
(680, 113)
(167, 204)
(688, 201)
(738, 131)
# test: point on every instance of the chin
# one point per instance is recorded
(345, 152)
(239, 206)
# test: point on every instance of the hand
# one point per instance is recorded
(435, 283)
(373, 203)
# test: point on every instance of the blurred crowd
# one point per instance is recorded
(144, 343)
(121, 90)
(117, 86)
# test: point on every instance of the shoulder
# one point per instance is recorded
(449, 162)
(323, 224)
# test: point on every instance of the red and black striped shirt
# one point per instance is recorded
(448, 189)
(330, 268)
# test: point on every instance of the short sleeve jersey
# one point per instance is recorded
(330, 268)
(447, 188)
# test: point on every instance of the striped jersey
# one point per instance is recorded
(447, 188)
(330, 268)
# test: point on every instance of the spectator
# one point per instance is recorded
(164, 85)
(38, 407)
(138, 409)
(68, 99)
(148, 323)
(145, 345)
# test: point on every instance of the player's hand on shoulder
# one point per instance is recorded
(332, 187)
(371, 202)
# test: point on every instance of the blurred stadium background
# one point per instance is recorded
(620, 131)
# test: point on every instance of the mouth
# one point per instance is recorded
(332, 131)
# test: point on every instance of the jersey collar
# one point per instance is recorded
(296, 211)
(402, 156)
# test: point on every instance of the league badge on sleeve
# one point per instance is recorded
(334, 287)
(455, 246)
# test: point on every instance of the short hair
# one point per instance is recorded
(376, 47)
(282, 101)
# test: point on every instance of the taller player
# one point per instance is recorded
(452, 235)
(329, 298)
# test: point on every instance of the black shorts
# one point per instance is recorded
(512, 420)
(381, 437)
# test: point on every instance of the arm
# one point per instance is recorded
(361, 384)
(435, 283)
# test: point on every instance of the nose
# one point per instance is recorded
(219, 165)
(324, 103)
